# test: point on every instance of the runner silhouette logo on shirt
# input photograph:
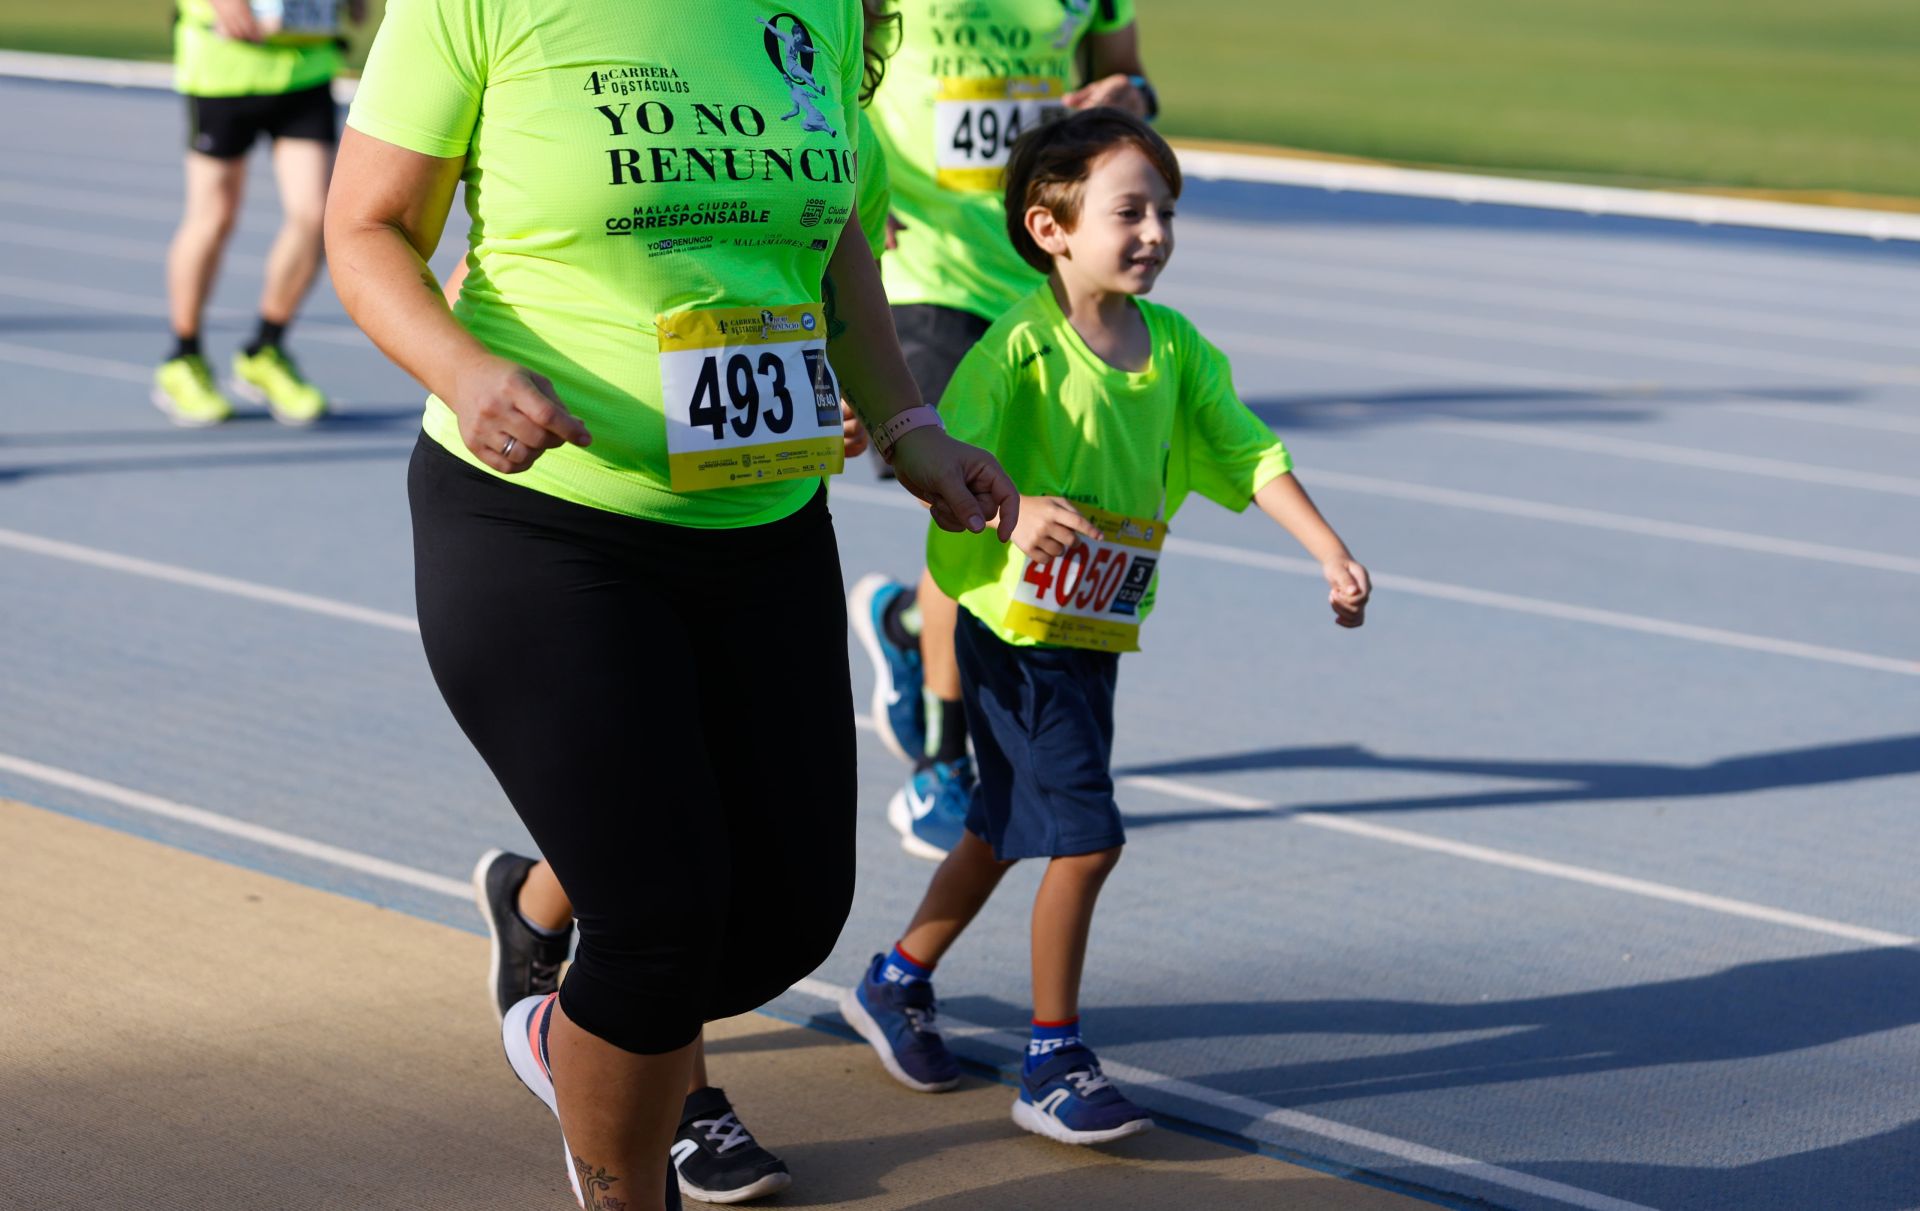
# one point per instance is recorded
(790, 48)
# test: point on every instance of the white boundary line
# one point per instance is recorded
(1266, 1122)
(1466, 188)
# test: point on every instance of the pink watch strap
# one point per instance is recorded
(902, 423)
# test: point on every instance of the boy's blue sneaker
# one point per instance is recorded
(899, 713)
(897, 1019)
(930, 811)
(1069, 1099)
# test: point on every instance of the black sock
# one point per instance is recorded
(270, 333)
(952, 742)
(185, 346)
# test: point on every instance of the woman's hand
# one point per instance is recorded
(234, 19)
(964, 486)
(497, 401)
(1116, 90)
(1049, 525)
(1348, 587)
(853, 434)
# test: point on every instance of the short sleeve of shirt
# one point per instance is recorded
(1231, 453)
(975, 401)
(424, 76)
(1110, 15)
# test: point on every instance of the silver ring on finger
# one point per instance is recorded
(506, 451)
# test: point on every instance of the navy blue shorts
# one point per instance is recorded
(1042, 727)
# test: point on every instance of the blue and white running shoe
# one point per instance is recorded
(899, 713)
(930, 811)
(897, 1018)
(1069, 1099)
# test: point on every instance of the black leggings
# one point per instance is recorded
(670, 712)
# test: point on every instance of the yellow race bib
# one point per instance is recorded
(748, 396)
(1090, 596)
(975, 122)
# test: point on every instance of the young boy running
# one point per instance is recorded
(1108, 411)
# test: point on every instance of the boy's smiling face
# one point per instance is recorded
(1124, 233)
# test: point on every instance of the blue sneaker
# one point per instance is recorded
(1069, 1099)
(897, 1019)
(930, 811)
(899, 713)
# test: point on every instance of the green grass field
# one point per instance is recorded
(1773, 94)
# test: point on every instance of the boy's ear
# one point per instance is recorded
(1046, 231)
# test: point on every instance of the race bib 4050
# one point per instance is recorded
(1090, 596)
(748, 396)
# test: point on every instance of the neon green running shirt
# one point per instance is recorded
(969, 75)
(208, 65)
(628, 160)
(876, 194)
(1065, 423)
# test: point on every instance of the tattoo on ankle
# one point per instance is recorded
(594, 1185)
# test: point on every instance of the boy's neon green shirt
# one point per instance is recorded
(934, 107)
(208, 65)
(1065, 423)
(625, 160)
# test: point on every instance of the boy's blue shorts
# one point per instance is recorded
(1042, 725)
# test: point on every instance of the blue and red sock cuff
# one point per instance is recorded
(1049, 1037)
(902, 968)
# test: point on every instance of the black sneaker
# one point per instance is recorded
(525, 964)
(717, 1158)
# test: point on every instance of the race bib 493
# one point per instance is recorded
(1089, 597)
(748, 396)
(975, 122)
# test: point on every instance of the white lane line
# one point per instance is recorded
(1449, 289)
(41, 196)
(231, 586)
(199, 817)
(1685, 456)
(1826, 414)
(1614, 263)
(1176, 789)
(75, 363)
(1274, 1125)
(1618, 522)
(1536, 606)
(119, 301)
(1541, 608)
(152, 252)
(1265, 1121)
(1402, 319)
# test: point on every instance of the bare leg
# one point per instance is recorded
(1062, 921)
(939, 614)
(301, 167)
(619, 1112)
(214, 190)
(960, 888)
(544, 903)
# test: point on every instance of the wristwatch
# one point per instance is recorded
(1145, 88)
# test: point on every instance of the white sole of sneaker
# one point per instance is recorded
(240, 388)
(901, 817)
(860, 616)
(772, 1183)
(164, 402)
(1029, 1117)
(863, 1024)
(479, 881)
(515, 1042)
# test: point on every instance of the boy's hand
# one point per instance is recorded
(1048, 525)
(1349, 589)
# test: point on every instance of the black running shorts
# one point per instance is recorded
(227, 127)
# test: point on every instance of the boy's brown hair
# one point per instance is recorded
(1050, 163)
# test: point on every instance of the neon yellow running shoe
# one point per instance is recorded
(183, 389)
(270, 377)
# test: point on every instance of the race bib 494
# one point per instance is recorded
(748, 396)
(1090, 596)
(975, 122)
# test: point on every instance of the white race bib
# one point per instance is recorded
(975, 122)
(1090, 596)
(748, 395)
